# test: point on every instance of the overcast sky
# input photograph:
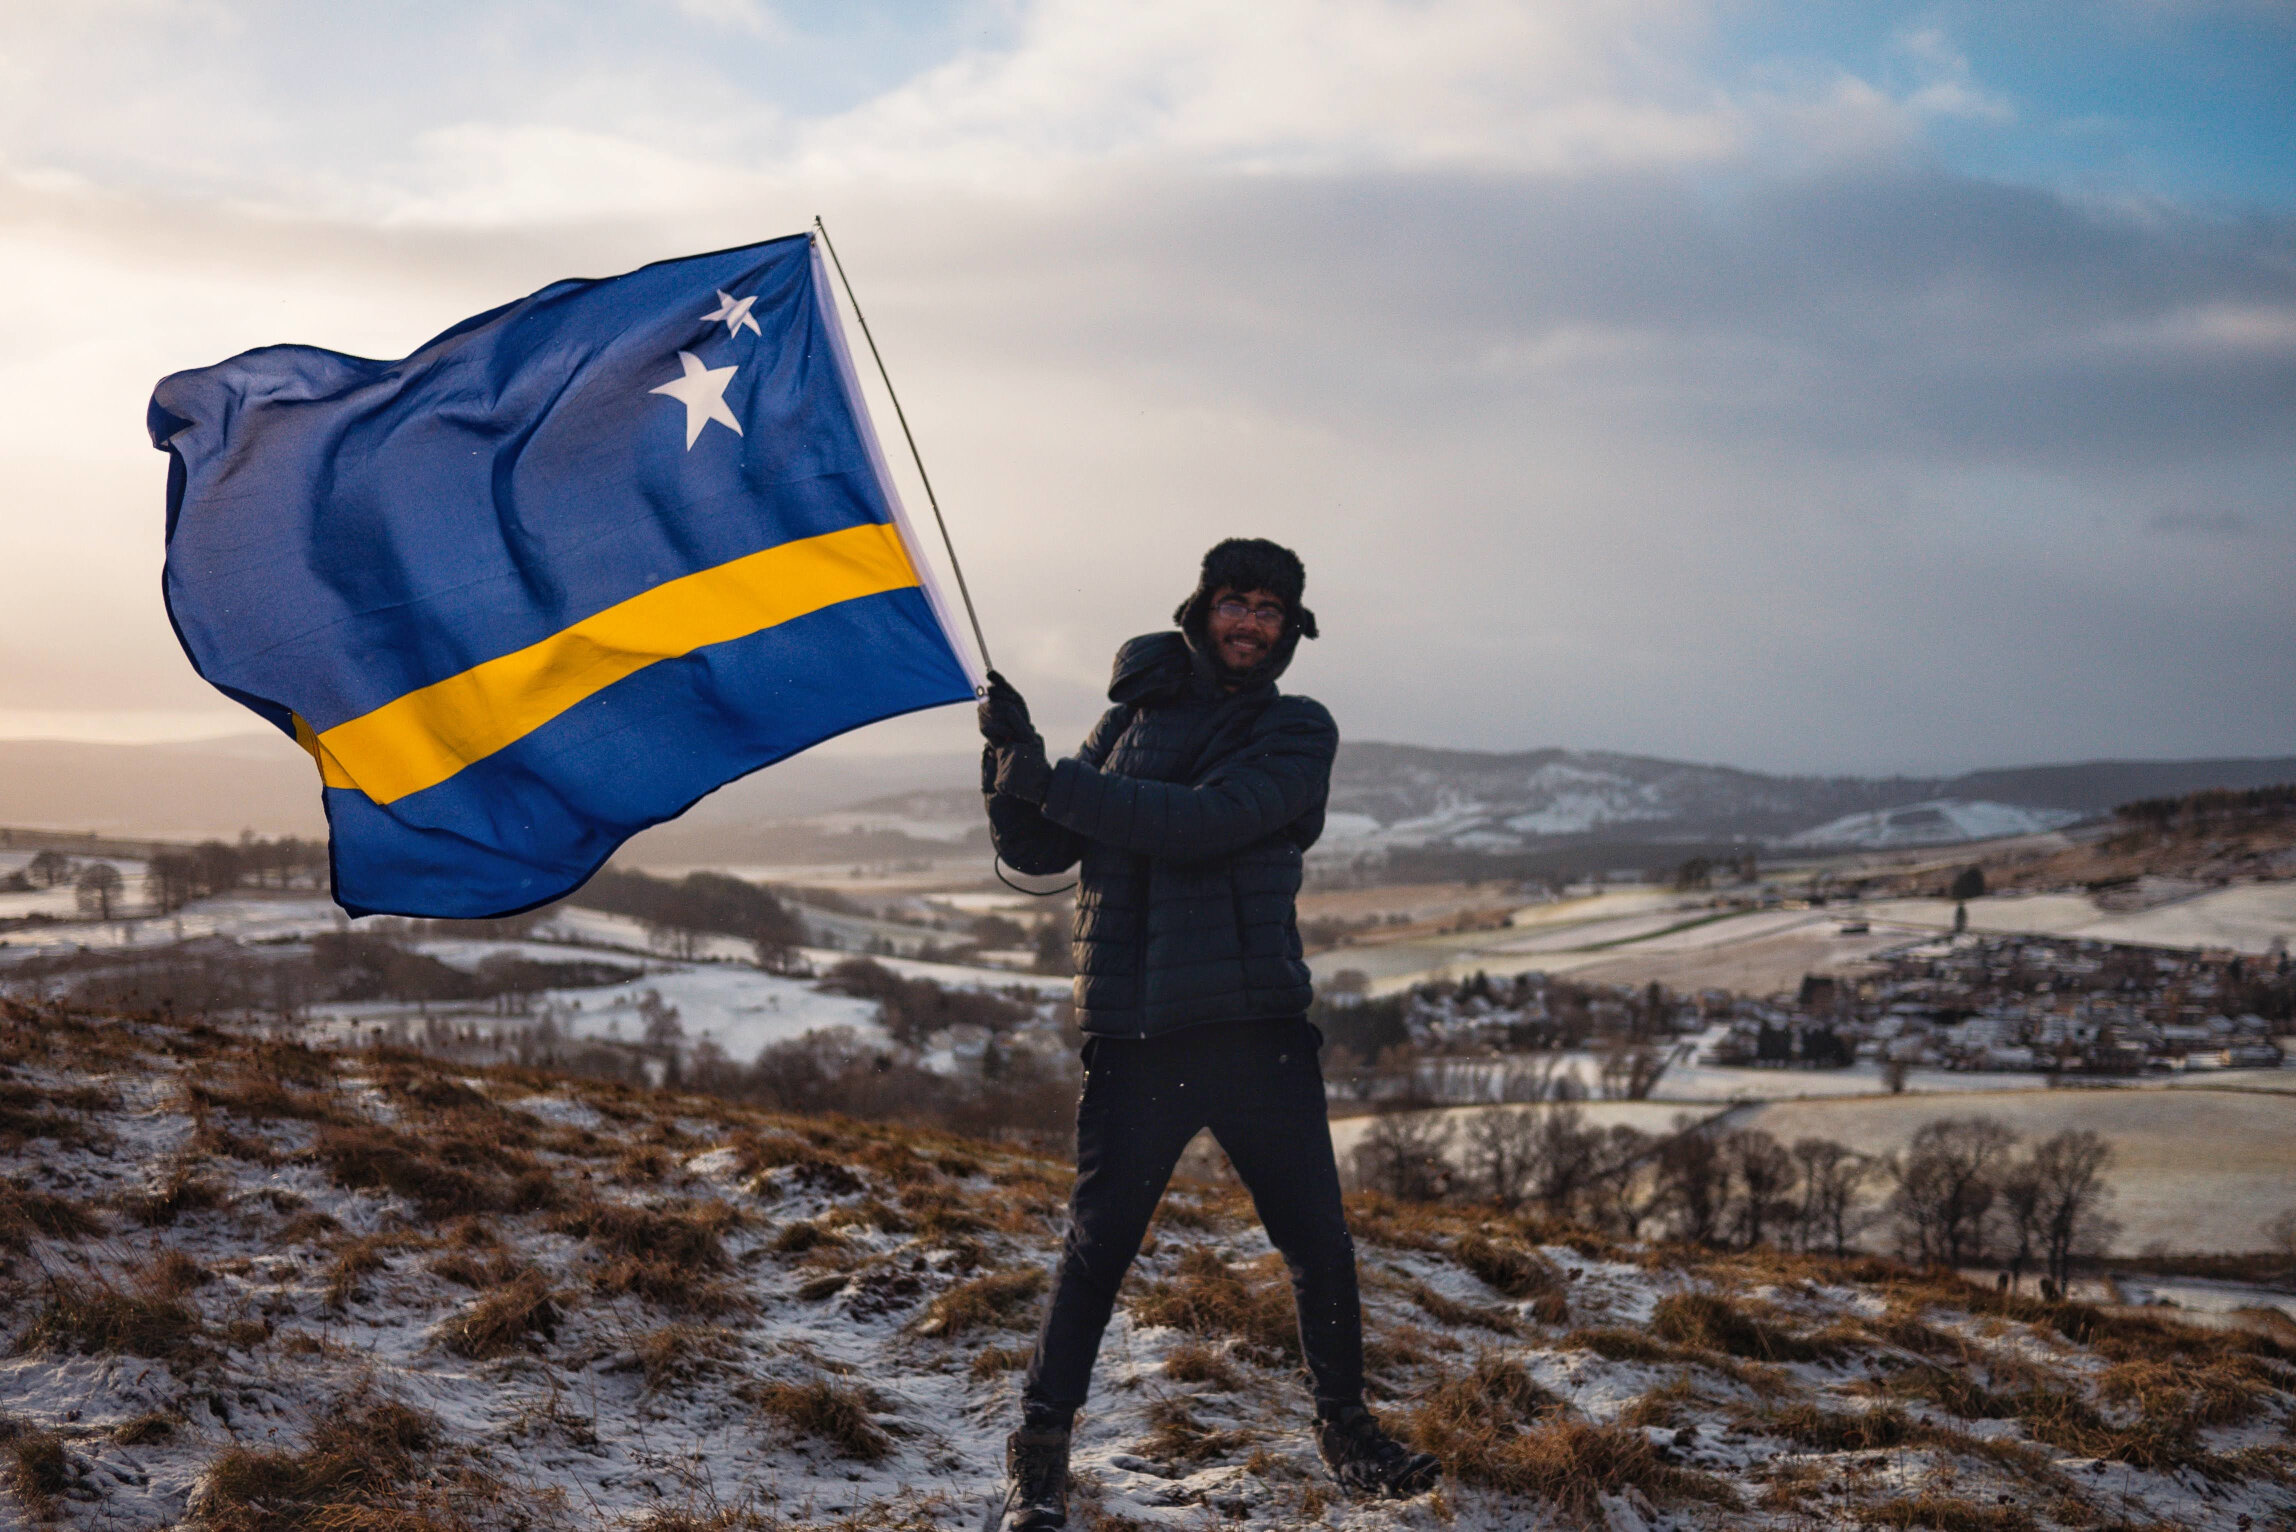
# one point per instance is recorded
(1807, 387)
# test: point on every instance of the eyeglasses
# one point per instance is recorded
(1264, 616)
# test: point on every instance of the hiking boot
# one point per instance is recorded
(1036, 1460)
(1367, 1461)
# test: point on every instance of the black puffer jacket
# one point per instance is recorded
(1189, 808)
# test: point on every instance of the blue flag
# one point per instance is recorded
(570, 566)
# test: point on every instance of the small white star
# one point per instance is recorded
(702, 392)
(735, 312)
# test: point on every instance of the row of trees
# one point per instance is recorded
(679, 913)
(2209, 809)
(174, 878)
(1960, 1193)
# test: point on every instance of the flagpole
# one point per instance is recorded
(915, 456)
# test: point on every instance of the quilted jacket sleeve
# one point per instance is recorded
(1028, 842)
(1283, 772)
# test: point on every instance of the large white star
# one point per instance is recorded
(735, 312)
(702, 392)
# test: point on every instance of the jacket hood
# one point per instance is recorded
(1159, 667)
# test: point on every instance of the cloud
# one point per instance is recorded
(1612, 403)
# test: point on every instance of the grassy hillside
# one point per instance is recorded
(251, 1287)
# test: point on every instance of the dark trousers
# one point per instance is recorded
(1258, 1086)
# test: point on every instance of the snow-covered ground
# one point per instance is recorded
(836, 1342)
(2245, 917)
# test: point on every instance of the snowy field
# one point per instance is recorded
(718, 993)
(2246, 917)
(1636, 936)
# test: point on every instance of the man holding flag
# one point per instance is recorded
(584, 558)
(1188, 811)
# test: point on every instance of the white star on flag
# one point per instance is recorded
(735, 312)
(702, 392)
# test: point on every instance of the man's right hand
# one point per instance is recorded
(1004, 714)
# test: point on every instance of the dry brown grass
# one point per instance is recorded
(248, 1093)
(512, 1316)
(154, 1426)
(358, 1258)
(444, 1176)
(1468, 1419)
(1947, 1513)
(680, 1353)
(182, 1192)
(829, 1413)
(1451, 1311)
(1378, 1219)
(667, 1254)
(1666, 1405)
(36, 1466)
(350, 1477)
(942, 1212)
(1176, 1436)
(990, 1361)
(1194, 1362)
(27, 1214)
(757, 1155)
(1615, 1343)
(2220, 1391)
(1951, 1389)
(1823, 1430)
(27, 1112)
(95, 1317)
(172, 1273)
(1572, 1464)
(803, 1235)
(1715, 1323)
(1208, 1297)
(1005, 1299)
(1506, 1269)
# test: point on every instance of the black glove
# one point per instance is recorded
(988, 770)
(1003, 714)
(1023, 772)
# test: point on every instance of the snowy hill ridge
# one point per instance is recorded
(250, 1286)
(1386, 796)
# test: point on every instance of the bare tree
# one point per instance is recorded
(1500, 1148)
(663, 1029)
(98, 886)
(1832, 1175)
(1763, 1171)
(2281, 1232)
(1403, 1155)
(170, 879)
(48, 868)
(1631, 1074)
(1947, 1182)
(1565, 1160)
(2068, 1170)
(1693, 1185)
(2021, 1217)
(1625, 1189)
(1532, 1080)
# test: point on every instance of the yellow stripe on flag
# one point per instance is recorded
(421, 739)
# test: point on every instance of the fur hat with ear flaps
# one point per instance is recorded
(1246, 564)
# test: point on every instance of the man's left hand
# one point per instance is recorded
(1004, 714)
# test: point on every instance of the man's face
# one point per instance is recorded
(1245, 625)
